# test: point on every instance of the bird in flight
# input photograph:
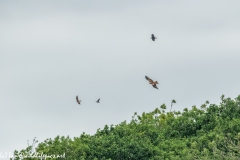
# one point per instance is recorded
(98, 101)
(78, 101)
(153, 37)
(154, 84)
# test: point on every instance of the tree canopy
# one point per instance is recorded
(208, 132)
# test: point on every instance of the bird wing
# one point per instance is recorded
(150, 80)
(155, 86)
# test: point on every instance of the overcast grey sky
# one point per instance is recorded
(52, 51)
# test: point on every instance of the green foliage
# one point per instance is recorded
(163, 106)
(173, 101)
(211, 132)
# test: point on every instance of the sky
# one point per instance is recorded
(52, 51)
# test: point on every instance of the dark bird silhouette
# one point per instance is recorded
(98, 101)
(78, 101)
(153, 37)
(154, 84)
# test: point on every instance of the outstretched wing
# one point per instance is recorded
(150, 80)
(155, 86)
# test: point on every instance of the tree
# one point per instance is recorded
(209, 133)
(173, 101)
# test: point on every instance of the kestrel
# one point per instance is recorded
(154, 84)
(78, 101)
(153, 37)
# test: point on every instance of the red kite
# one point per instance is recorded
(154, 84)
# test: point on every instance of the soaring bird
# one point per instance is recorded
(98, 101)
(153, 37)
(78, 101)
(154, 84)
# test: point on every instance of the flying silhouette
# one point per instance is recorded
(154, 84)
(153, 37)
(98, 101)
(78, 101)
